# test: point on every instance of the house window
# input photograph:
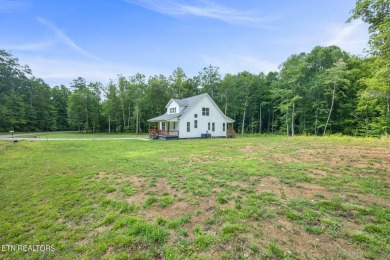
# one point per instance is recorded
(213, 127)
(174, 125)
(188, 126)
(196, 115)
(209, 126)
(195, 123)
(163, 126)
(223, 127)
(205, 111)
(172, 110)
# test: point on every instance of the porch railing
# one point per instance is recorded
(153, 133)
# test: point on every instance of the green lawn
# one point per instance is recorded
(251, 197)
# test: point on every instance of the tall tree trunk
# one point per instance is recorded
(317, 109)
(287, 130)
(252, 124)
(128, 119)
(109, 124)
(269, 119)
(86, 113)
(292, 119)
(366, 118)
(243, 120)
(136, 124)
(123, 114)
(226, 103)
(273, 117)
(331, 107)
(260, 118)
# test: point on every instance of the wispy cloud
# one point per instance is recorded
(11, 5)
(62, 37)
(351, 37)
(205, 9)
(39, 46)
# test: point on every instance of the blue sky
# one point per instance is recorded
(98, 39)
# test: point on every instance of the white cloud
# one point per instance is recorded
(238, 63)
(351, 37)
(207, 9)
(63, 38)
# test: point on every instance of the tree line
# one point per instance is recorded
(325, 91)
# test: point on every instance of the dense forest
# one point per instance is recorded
(325, 91)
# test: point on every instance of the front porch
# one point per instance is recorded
(163, 130)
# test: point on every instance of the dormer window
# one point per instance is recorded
(172, 110)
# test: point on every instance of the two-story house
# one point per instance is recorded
(193, 117)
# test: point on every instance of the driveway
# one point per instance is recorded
(18, 137)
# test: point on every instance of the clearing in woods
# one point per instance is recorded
(250, 197)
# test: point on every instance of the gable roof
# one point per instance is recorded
(181, 102)
(187, 103)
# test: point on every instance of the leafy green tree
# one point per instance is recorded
(13, 112)
(41, 114)
(60, 96)
(246, 83)
(157, 92)
(139, 97)
(228, 91)
(178, 84)
(110, 107)
(210, 80)
(83, 106)
(333, 78)
(316, 100)
(293, 78)
(13, 77)
(377, 14)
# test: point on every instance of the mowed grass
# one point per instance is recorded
(252, 197)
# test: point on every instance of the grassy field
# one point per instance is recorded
(246, 198)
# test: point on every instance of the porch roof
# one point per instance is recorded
(229, 120)
(165, 117)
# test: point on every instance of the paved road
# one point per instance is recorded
(72, 139)
(9, 136)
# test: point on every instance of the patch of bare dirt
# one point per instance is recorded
(316, 173)
(170, 159)
(293, 239)
(249, 149)
(100, 176)
(356, 156)
(269, 184)
(240, 184)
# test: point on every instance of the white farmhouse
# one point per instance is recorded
(193, 117)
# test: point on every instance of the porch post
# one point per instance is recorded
(168, 128)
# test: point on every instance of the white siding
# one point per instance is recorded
(173, 105)
(215, 116)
